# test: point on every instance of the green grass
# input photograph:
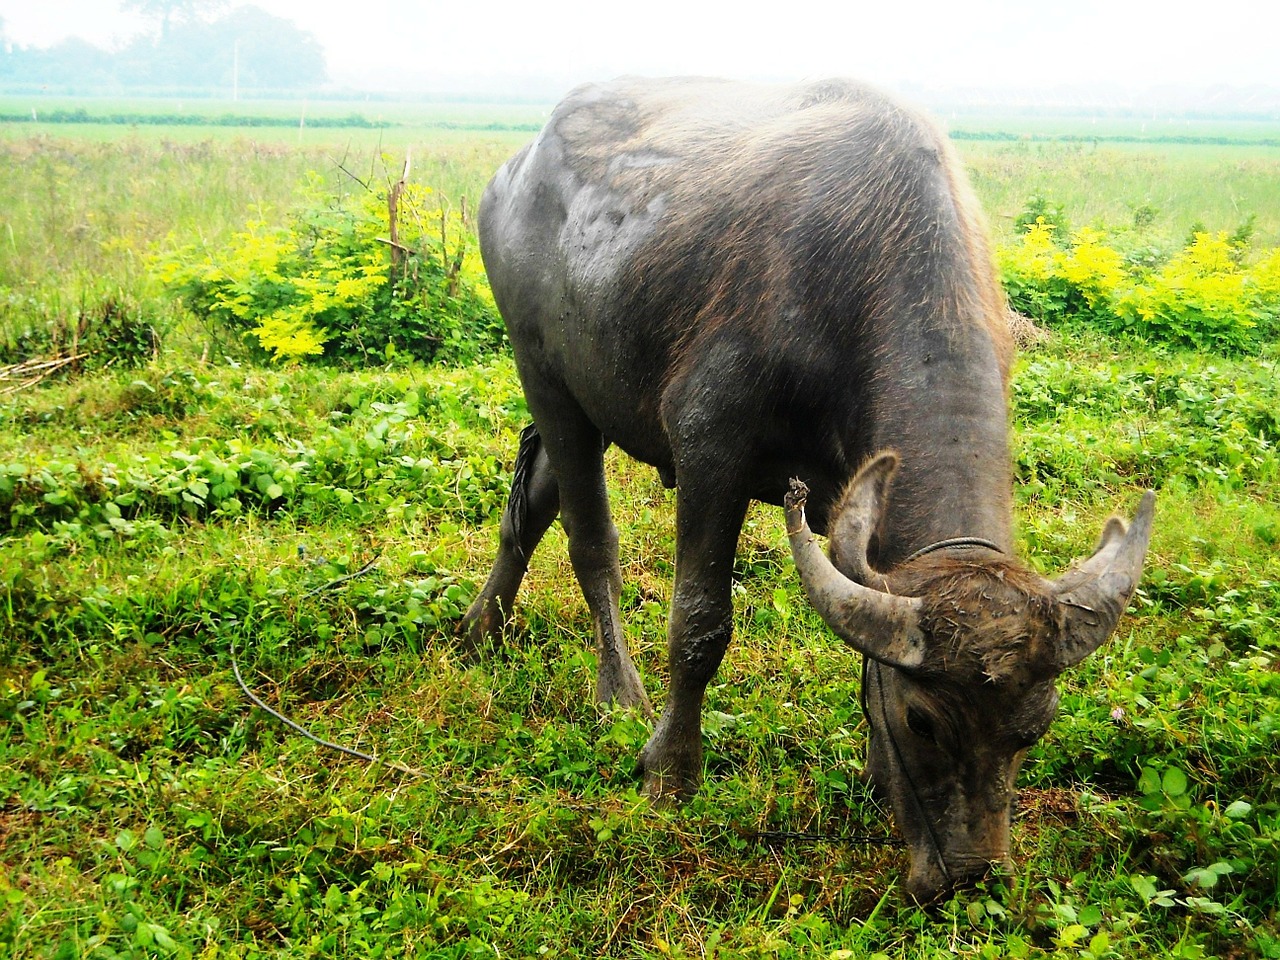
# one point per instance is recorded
(150, 811)
(159, 517)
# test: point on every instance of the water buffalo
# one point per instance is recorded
(741, 285)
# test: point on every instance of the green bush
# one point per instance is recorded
(384, 461)
(1039, 209)
(1081, 427)
(1202, 297)
(339, 281)
(105, 328)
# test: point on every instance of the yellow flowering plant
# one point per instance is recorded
(336, 281)
(1201, 297)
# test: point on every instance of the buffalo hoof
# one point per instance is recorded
(665, 788)
(672, 771)
(664, 793)
(622, 686)
(481, 628)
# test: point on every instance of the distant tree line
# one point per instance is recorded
(1206, 139)
(196, 119)
(246, 49)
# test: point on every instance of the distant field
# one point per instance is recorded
(1208, 172)
(1182, 173)
(306, 123)
(1216, 187)
(1017, 125)
(25, 112)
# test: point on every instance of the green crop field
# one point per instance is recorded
(177, 509)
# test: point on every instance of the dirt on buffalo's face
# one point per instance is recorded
(948, 739)
(963, 645)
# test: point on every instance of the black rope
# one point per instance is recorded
(299, 728)
(261, 704)
(800, 836)
(763, 836)
(897, 752)
(342, 579)
(767, 837)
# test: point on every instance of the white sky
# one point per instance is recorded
(1017, 44)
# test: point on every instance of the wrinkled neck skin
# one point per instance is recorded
(942, 406)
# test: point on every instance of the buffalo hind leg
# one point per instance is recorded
(577, 452)
(701, 624)
(531, 509)
(537, 495)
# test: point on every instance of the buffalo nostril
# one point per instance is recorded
(979, 871)
(926, 892)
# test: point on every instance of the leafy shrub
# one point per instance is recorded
(1202, 297)
(1144, 215)
(341, 281)
(1040, 210)
(1053, 284)
(105, 329)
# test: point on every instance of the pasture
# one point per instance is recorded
(148, 810)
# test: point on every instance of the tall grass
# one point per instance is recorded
(81, 218)
(1217, 187)
(80, 208)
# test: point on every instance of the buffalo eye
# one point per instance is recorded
(919, 724)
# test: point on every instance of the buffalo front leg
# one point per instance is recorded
(698, 633)
(531, 508)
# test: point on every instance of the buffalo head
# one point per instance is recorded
(962, 645)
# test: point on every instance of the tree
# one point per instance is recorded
(72, 64)
(170, 11)
(271, 52)
(248, 48)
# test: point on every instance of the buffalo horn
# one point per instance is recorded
(878, 625)
(1093, 595)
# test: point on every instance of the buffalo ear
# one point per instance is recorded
(1092, 597)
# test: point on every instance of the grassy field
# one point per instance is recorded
(320, 531)
(455, 146)
(1175, 186)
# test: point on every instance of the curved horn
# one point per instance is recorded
(854, 519)
(1094, 594)
(879, 625)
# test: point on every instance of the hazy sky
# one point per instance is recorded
(1026, 44)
